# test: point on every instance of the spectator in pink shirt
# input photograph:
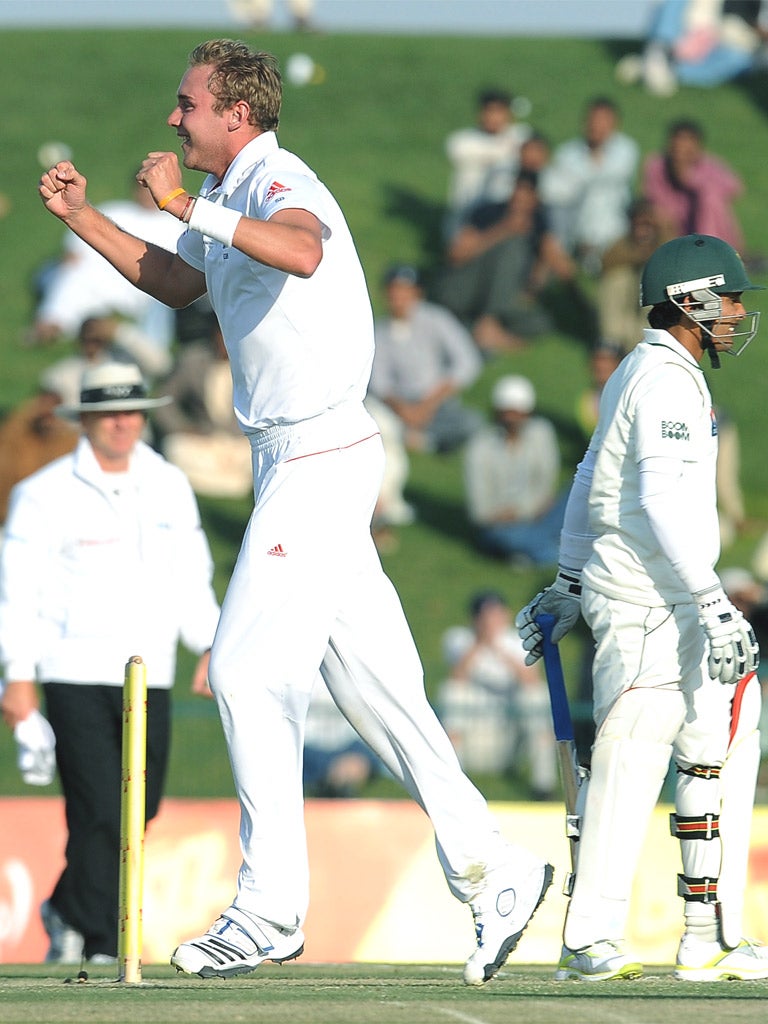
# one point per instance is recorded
(691, 190)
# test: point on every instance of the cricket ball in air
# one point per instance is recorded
(51, 153)
(300, 69)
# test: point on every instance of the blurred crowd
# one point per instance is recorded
(531, 226)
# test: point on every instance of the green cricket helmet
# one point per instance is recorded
(705, 268)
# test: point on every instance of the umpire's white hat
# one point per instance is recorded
(113, 387)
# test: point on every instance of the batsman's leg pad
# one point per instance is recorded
(713, 822)
(697, 821)
(697, 825)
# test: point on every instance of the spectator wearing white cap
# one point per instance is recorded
(512, 471)
(103, 558)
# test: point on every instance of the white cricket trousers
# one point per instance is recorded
(654, 700)
(308, 595)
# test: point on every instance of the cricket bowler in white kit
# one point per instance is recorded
(270, 245)
(674, 668)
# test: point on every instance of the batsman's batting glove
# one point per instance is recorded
(733, 649)
(562, 600)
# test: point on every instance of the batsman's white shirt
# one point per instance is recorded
(297, 346)
(96, 569)
(656, 403)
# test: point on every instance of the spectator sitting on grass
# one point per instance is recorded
(423, 360)
(492, 700)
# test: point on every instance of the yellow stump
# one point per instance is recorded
(132, 821)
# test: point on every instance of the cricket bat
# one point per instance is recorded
(572, 774)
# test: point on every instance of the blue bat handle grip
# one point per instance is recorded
(546, 624)
(558, 696)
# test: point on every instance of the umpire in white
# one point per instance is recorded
(104, 558)
(674, 670)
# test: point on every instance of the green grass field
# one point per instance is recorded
(369, 994)
(374, 130)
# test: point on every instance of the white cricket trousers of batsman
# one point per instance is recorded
(308, 595)
(654, 700)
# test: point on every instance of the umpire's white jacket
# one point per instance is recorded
(97, 567)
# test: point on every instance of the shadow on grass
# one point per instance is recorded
(441, 514)
(572, 311)
(755, 87)
(422, 215)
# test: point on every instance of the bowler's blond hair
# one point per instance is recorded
(241, 74)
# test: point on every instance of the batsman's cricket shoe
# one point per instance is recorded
(599, 962)
(709, 961)
(227, 949)
(501, 913)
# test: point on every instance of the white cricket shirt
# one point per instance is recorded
(96, 567)
(297, 346)
(656, 403)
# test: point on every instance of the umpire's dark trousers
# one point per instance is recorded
(88, 721)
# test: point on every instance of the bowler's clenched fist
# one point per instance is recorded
(160, 173)
(62, 190)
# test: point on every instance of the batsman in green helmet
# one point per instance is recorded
(690, 276)
(674, 670)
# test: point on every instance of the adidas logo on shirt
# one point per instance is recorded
(275, 189)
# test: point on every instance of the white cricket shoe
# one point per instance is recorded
(501, 913)
(227, 949)
(66, 944)
(601, 961)
(709, 961)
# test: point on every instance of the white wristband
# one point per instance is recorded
(217, 222)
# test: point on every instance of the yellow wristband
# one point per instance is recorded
(170, 197)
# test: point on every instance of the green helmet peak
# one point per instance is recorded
(692, 263)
